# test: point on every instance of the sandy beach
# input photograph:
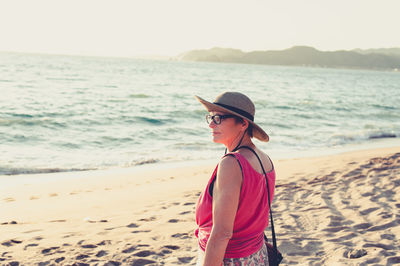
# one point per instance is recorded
(341, 209)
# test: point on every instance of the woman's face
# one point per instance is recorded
(227, 131)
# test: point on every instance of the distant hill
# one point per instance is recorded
(301, 56)
(386, 51)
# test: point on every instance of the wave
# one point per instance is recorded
(149, 161)
(152, 121)
(139, 95)
(382, 136)
(32, 122)
(18, 171)
(350, 138)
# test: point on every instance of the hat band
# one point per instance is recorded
(236, 110)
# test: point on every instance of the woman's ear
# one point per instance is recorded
(245, 125)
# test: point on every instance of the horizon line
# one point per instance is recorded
(163, 56)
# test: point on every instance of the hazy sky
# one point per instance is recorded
(169, 27)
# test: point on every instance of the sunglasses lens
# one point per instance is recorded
(208, 119)
(217, 119)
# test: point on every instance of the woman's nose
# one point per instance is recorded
(212, 124)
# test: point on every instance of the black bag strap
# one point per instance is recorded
(269, 202)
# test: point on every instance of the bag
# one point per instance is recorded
(272, 259)
(274, 256)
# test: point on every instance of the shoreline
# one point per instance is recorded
(274, 154)
(146, 216)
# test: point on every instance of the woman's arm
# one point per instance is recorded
(225, 203)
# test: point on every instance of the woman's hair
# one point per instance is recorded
(249, 128)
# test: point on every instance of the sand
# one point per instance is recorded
(341, 209)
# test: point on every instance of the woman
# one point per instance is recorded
(232, 211)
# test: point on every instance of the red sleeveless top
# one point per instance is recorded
(252, 215)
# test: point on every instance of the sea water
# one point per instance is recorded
(67, 113)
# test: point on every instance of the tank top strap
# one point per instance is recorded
(238, 157)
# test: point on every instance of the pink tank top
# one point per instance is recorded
(251, 217)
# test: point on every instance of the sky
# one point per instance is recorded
(171, 27)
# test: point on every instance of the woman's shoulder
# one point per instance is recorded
(229, 170)
(254, 162)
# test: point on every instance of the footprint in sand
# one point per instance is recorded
(165, 251)
(9, 199)
(11, 242)
(386, 215)
(110, 263)
(185, 259)
(53, 195)
(132, 225)
(12, 222)
(144, 253)
(129, 250)
(82, 256)
(388, 236)
(393, 260)
(31, 245)
(104, 242)
(90, 220)
(186, 212)
(57, 221)
(58, 260)
(89, 246)
(172, 247)
(362, 226)
(174, 221)
(140, 231)
(384, 226)
(47, 251)
(112, 228)
(140, 262)
(181, 235)
(32, 231)
(101, 253)
(152, 218)
(34, 198)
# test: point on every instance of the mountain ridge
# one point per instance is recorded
(383, 58)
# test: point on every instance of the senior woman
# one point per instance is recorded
(232, 211)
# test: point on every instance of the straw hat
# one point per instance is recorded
(237, 104)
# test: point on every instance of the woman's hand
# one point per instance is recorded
(225, 203)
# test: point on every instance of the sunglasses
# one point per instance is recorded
(217, 118)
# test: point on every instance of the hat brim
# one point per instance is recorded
(258, 132)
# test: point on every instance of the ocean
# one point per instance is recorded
(74, 113)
